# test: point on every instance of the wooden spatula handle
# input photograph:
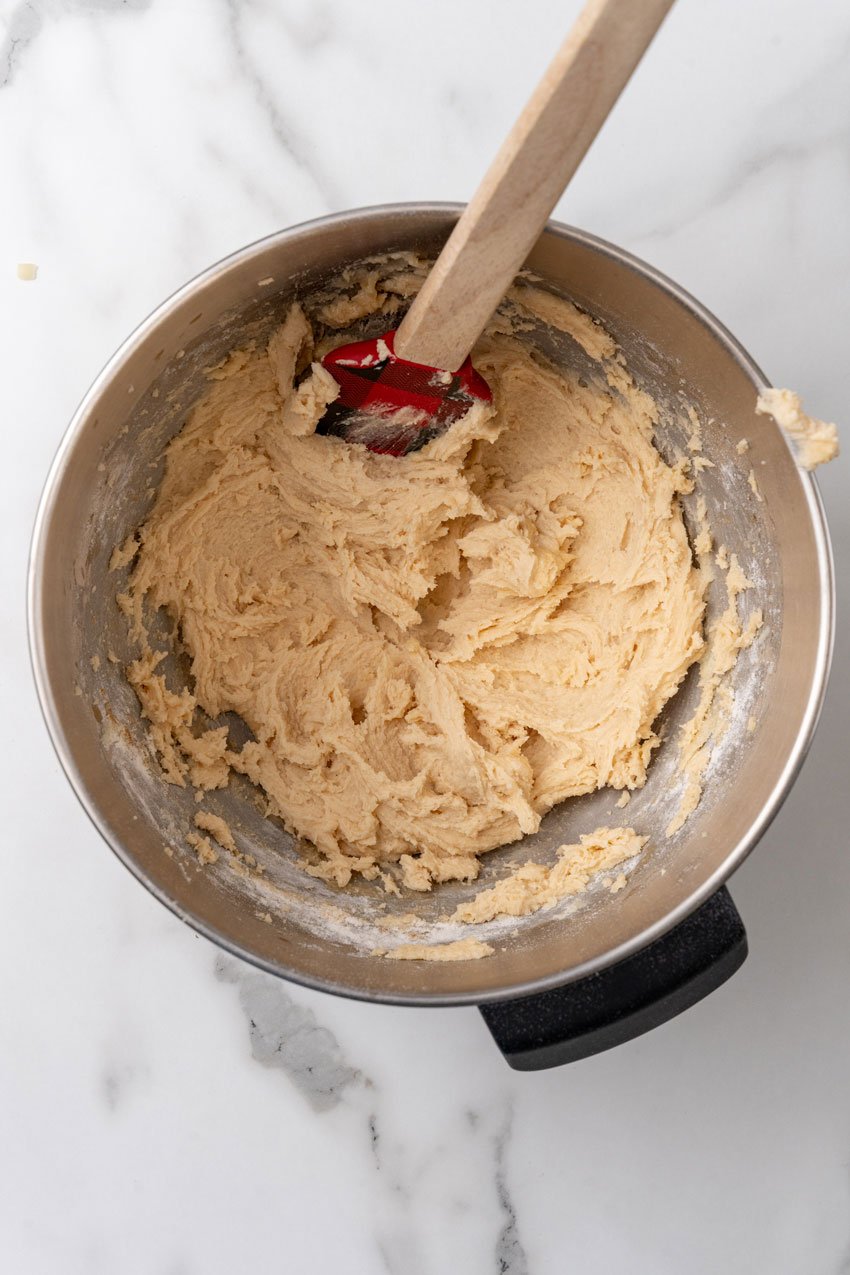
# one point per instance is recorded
(503, 220)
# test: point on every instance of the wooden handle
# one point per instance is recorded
(502, 222)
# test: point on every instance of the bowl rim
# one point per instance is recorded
(58, 738)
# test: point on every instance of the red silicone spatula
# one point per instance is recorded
(400, 390)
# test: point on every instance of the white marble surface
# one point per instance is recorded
(167, 1111)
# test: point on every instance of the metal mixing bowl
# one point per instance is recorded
(103, 482)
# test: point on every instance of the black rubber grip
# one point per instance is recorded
(627, 999)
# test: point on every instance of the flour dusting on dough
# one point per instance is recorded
(727, 637)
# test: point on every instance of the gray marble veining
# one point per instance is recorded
(305, 38)
(26, 18)
(511, 1258)
(168, 1110)
(288, 1037)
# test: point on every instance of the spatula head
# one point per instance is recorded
(391, 405)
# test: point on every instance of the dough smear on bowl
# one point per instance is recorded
(430, 651)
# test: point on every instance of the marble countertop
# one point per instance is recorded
(169, 1111)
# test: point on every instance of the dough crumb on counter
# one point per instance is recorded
(742, 446)
(815, 442)
(752, 482)
(533, 886)
(459, 950)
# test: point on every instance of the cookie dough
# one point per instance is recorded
(460, 950)
(535, 886)
(430, 651)
(815, 442)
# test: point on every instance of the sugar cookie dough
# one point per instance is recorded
(535, 886)
(430, 651)
(815, 442)
(459, 950)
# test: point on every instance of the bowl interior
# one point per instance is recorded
(104, 481)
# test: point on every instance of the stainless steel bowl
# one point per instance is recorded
(103, 481)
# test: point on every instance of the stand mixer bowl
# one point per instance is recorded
(103, 482)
